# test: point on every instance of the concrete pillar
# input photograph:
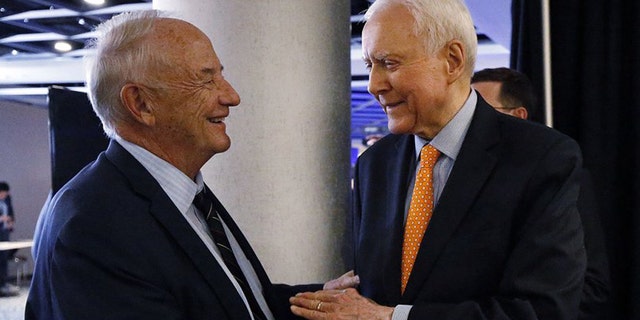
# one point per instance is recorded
(285, 179)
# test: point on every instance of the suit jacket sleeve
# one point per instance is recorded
(280, 294)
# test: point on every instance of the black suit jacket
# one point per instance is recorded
(112, 245)
(595, 304)
(505, 240)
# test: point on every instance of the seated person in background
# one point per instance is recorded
(511, 92)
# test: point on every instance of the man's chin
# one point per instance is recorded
(397, 128)
(221, 146)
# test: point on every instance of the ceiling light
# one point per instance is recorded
(95, 2)
(63, 46)
(14, 52)
(81, 22)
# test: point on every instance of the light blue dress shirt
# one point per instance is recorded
(448, 141)
(181, 190)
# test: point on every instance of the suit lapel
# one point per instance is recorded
(400, 174)
(471, 169)
(177, 227)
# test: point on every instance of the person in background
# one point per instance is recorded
(511, 92)
(6, 226)
(461, 212)
(137, 234)
(506, 90)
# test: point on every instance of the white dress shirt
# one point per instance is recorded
(182, 190)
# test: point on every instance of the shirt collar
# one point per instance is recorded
(449, 140)
(177, 185)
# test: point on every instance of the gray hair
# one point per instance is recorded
(438, 22)
(121, 55)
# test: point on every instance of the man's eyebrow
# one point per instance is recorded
(209, 71)
(380, 56)
(376, 57)
(212, 70)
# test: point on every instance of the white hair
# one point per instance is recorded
(438, 22)
(121, 55)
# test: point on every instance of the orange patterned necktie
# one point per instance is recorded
(420, 210)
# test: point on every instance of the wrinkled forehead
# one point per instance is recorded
(176, 34)
(185, 52)
(388, 29)
(183, 45)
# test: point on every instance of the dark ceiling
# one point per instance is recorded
(33, 26)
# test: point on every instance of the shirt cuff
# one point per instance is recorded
(401, 312)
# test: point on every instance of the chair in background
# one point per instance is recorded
(19, 263)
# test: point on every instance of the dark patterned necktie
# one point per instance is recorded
(204, 203)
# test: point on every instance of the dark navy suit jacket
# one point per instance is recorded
(505, 240)
(113, 246)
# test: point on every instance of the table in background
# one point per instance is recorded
(10, 245)
(21, 266)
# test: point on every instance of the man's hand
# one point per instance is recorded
(347, 280)
(337, 304)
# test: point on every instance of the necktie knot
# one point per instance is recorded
(429, 156)
(204, 205)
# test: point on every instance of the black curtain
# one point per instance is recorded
(595, 48)
(75, 134)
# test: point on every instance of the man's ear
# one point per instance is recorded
(136, 101)
(456, 58)
(520, 112)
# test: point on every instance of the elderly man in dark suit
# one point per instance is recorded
(462, 212)
(137, 234)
